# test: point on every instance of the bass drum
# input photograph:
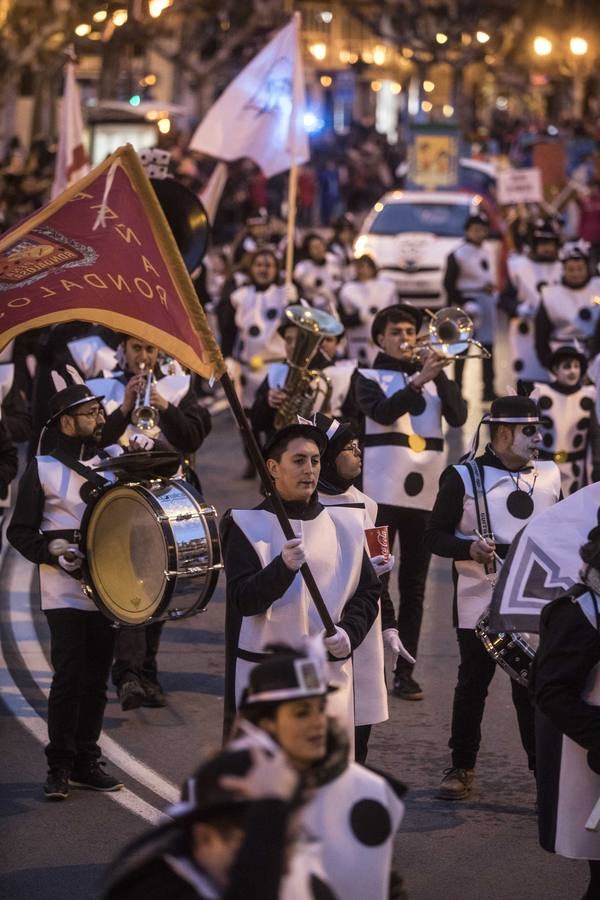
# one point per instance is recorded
(511, 650)
(151, 550)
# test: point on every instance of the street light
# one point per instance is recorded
(542, 46)
(578, 46)
(483, 37)
(318, 50)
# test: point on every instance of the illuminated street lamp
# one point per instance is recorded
(318, 50)
(578, 46)
(483, 37)
(542, 46)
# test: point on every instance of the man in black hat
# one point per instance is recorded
(45, 529)
(404, 399)
(529, 271)
(570, 432)
(481, 505)
(267, 600)
(568, 312)
(468, 283)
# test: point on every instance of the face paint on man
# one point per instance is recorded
(526, 442)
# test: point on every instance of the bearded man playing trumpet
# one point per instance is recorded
(404, 398)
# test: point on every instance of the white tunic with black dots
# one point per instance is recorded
(528, 277)
(334, 547)
(474, 275)
(365, 298)
(398, 468)
(258, 315)
(370, 692)
(565, 421)
(63, 511)
(572, 312)
(474, 587)
(172, 388)
(319, 284)
(578, 786)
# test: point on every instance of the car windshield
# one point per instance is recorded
(441, 219)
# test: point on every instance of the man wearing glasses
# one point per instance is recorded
(49, 509)
(493, 495)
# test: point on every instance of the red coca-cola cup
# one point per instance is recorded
(378, 541)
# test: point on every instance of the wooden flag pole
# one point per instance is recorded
(291, 226)
(272, 495)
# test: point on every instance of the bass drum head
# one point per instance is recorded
(127, 556)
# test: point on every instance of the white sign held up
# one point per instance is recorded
(519, 186)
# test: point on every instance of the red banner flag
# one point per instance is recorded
(103, 252)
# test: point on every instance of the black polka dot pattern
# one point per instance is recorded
(484, 264)
(575, 469)
(518, 365)
(319, 890)
(545, 402)
(586, 403)
(370, 822)
(546, 422)
(240, 346)
(419, 405)
(271, 314)
(373, 310)
(585, 314)
(574, 487)
(413, 484)
(583, 424)
(578, 440)
(523, 328)
(547, 440)
(254, 331)
(243, 380)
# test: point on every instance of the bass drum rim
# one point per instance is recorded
(214, 564)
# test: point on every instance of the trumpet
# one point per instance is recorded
(450, 336)
(145, 416)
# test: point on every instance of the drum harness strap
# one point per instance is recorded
(86, 472)
(481, 506)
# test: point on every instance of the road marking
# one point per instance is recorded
(18, 587)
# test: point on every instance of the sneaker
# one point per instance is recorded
(154, 696)
(131, 694)
(94, 778)
(456, 784)
(57, 784)
(407, 688)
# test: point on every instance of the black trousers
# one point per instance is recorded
(409, 525)
(487, 372)
(475, 672)
(81, 651)
(362, 733)
(136, 650)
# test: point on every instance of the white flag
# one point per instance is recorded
(72, 160)
(260, 114)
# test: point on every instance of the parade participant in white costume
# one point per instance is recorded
(341, 466)
(340, 245)
(495, 493)
(267, 599)
(182, 424)
(528, 273)
(568, 313)
(570, 432)
(566, 690)
(351, 814)
(49, 507)
(468, 283)
(404, 402)
(360, 300)
(318, 274)
(227, 838)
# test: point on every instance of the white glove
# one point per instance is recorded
(391, 639)
(141, 442)
(338, 644)
(292, 553)
(71, 565)
(382, 565)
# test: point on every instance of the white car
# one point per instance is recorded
(410, 234)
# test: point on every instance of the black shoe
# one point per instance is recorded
(456, 784)
(94, 778)
(407, 688)
(131, 694)
(154, 696)
(57, 784)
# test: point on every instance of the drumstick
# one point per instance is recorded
(481, 538)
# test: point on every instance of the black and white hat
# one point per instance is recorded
(287, 674)
(513, 410)
(70, 397)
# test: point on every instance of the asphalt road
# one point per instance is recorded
(483, 848)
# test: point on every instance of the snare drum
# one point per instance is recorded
(511, 650)
(152, 551)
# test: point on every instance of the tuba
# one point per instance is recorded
(451, 335)
(302, 393)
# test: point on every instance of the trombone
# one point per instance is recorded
(450, 335)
